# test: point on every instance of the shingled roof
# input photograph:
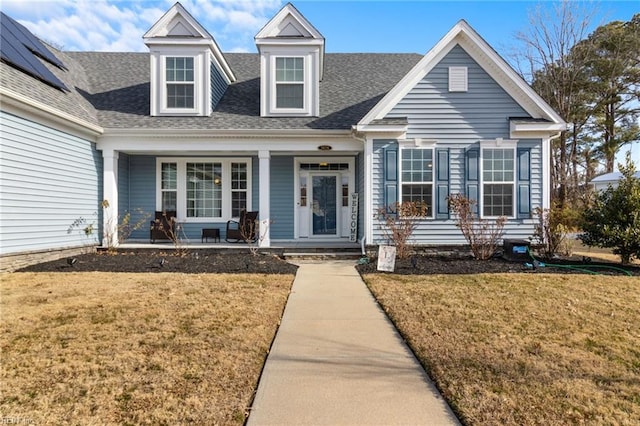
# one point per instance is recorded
(74, 102)
(118, 89)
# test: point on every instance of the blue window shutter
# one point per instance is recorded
(472, 177)
(524, 183)
(442, 183)
(390, 178)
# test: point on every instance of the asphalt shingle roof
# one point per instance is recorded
(118, 89)
(74, 102)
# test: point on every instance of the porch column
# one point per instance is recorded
(265, 195)
(110, 195)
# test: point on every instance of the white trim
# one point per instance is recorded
(156, 35)
(498, 143)
(17, 104)
(458, 79)
(417, 143)
(368, 191)
(462, 34)
(306, 95)
(296, 189)
(405, 146)
(264, 203)
(494, 145)
(181, 201)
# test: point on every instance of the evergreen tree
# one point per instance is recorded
(614, 219)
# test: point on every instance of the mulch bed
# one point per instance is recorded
(190, 262)
(423, 265)
(216, 261)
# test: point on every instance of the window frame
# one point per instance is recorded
(402, 183)
(492, 145)
(165, 84)
(226, 186)
(273, 102)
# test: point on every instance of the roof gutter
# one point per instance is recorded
(39, 109)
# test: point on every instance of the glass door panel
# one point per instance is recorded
(324, 205)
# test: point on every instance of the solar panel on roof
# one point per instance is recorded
(19, 48)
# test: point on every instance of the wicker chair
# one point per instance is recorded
(243, 229)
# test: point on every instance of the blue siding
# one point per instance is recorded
(282, 201)
(457, 121)
(445, 232)
(142, 190)
(218, 85)
(48, 180)
(123, 185)
(142, 197)
(480, 113)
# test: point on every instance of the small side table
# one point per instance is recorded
(211, 233)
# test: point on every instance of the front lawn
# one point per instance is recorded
(524, 349)
(104, 348)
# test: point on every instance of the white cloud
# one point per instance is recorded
(113, 25)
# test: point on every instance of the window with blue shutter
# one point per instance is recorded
(524, 183)
(442, 183)
(472, 176)
(390, 178)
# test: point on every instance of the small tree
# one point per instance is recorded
(482, 235)
(613, 221)
(399, 222)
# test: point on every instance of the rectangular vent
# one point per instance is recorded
(458, 79)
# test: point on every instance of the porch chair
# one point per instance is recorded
(243, 229)
(163, 226)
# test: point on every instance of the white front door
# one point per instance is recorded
(323, 193)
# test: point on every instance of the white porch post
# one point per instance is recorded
(368, 191)
(110, 194)
(265, 195)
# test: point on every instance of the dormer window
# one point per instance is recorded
(291, 65)
(180, 82)
(289, 83)
(189, 74)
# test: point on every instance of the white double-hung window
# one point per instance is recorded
(417, 174)
(289, 83)
(204, 189)
(498, 182)
(180, 82)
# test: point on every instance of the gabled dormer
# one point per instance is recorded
(291, 65)
(189, 74)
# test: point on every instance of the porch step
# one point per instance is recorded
(322, 255)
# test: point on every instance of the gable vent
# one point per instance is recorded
(457, 79)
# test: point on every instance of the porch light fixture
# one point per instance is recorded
(325, 148)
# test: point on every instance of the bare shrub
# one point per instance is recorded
(399, 222)
(550, 234)
(483, 235)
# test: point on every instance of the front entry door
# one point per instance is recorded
(324, 205)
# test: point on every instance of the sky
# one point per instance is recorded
(348, 26)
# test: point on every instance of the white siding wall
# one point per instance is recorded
(48, 180)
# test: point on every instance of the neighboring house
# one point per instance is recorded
(291, 131)
(602, 182)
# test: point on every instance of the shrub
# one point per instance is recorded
(399, 222)
(483, 235)
(550, 234)
(613, 221)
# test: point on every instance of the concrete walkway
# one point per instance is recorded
(338, 360)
